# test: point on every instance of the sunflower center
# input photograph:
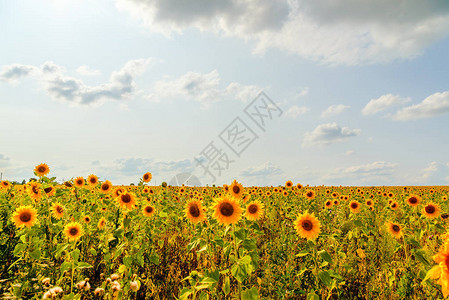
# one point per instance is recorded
(93, 180)
(25, 216)
(79, 182)
(126, 198)
(309, 194)
(35, 190)
(73, 231)
(59, 209)
(41, 169)
(105, 187)
(149, 209)
(413, 200)
(354, 205)
(87, 219)
(253, 208)
(48, 190)
(307, 225)
(194, 210)
(396, 228)
(430, 209)
(236, 189)
(226, 209)
(145, 177)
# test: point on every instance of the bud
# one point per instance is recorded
(134, 285)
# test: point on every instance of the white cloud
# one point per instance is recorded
(87, 71)
(429, 170)
(334, 110)
(74, 91)
(13, 73)
(375, 171)
(435, 105)
(349, 152)
(266, 169)
(328, 31)
(382, 103)
(328, 133)
(204, 88)
(295, 111)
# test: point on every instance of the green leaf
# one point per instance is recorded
(302, 253)
(250, 294)
(122, 269)
(19, 249)
(325, 278)
(202, 249)
(312, 296)
(240, 234)
(208, 280)
(324, 255)
(65, 266)
(249, 244)
(75, 254)
(93, 251)
(202, 287)
(36, 253)
(185, 293)
(227, 285)
(83, 265)
(154, 258)
(419, 255)
(127, 261)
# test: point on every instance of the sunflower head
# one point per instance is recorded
(79, 181)
(394, 205)
(254, 210)
(328, 204)
(147, 177)
(413, 200)
(310, 194)
(289, 184)
(4, 184)
(431, 210)
(299, 186)
(127, 200)
(106, 187)
(148, 210)
(101, 223)
(41, 170)
(307, 226)
(194, 211)
(354, 206)
(92, 180)
(57, 210)
(394, 229)
(73, 231)
(24, 216)
(86, 219)
(227, 210)
(236, 189)
(34, 191)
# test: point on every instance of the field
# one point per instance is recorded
(87, 239)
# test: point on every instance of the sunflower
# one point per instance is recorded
(309, 194)
(118, 191)
(148, 210)
(431, 210)
(57, 210)
(236, 189)
(394, 205)
(106, 186)
(92, 180)
(354, 206)
(299, 186)
(307, 226)
(4, 184)
(369, 202)
(34, 191)
(328, 204)
(79, 182)
(289, 184)
(247, 197)
(101, 223)
(127, 200)
(394, 229)
(147, 177)
(73, 231)
(41, 170)
(194, 211)
(227, 210)
(24, 216)
(226, 188)
(86, 219)
(50, 191)
(441, 271)
(254, 210)
(413, 200)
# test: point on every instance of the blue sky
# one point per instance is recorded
(119, 88)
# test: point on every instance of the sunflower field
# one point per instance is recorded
(89, 239)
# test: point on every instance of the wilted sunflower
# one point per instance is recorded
(92, 180)
(101, 223)
(288, 184)
(413, 200)
(50, 191)
(394, 229)
(307, 226)
(236, 189)
(79, 182)
(254, 210)
(227, 210)
(57, 210)
(127, 200)
(354, 206)
(431, 210)
(41, 170)
(34, 191)
(310, 194)
(147, 177)
(73, 231)
(24, 216)
(148, 210)
(106, 186)
(194, 211)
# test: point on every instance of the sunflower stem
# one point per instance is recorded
(236, 253)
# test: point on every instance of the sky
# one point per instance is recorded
(331, 92)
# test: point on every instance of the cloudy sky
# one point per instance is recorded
(354, 92)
